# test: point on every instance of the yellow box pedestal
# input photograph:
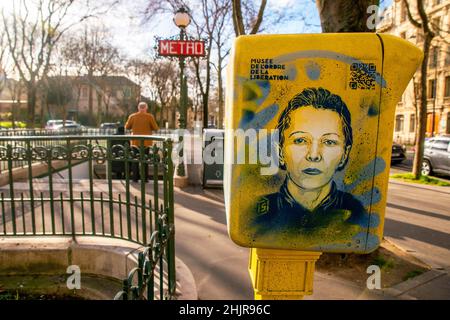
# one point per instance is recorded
(282, 274)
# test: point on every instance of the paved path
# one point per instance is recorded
(418, 220)
(220, 267)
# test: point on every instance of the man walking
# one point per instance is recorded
(141, 123)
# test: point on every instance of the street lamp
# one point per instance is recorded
(182, 20)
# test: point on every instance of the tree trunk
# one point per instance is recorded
(206, 95)
(99, 109)
(42, 112)
(205, 110)
(422, 114)
(31, 103)
(13, 113)
(345, 15)
(91, 98)
(161, 116)
(416, 111)
(174, 117)
(220, 84)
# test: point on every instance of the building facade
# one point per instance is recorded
(112, 98)
(395, 21)
(13, 100)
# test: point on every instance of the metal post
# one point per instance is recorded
(182, 102)
(180, 169)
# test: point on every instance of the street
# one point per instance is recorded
(417, 220)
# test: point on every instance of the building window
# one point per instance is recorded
(431, 89)
(433, 57)
(432, 123)
(412, 123)
(399, 123)
(447, 86)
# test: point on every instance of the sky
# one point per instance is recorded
(136, 39)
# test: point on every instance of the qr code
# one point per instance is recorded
(362, 76)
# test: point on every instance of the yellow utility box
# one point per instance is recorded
(309, 122)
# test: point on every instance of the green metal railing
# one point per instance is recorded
(41, 143)
(36, 203)
(38, 132)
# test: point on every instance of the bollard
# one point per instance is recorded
(282, 274)
(309, 122)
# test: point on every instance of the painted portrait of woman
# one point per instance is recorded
(315, 140)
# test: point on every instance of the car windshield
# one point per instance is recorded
(108, 125)
(428, 143)
(57, 122)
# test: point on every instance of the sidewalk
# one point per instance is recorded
(220, 267)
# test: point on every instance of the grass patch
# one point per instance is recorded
(383, 263)
(395, 265)
(412, 274)
(9, 295)
(423, 179)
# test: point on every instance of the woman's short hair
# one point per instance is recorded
(318, 98)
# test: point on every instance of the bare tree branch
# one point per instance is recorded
(259, 18)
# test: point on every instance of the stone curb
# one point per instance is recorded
(402, 288)
(422, 186)
(111, 258)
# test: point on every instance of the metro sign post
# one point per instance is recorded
(181, 48)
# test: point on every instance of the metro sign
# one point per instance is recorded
(186, 48)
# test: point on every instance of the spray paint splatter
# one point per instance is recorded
(291, 73)
(374, 110)
(373, 168)
(312, 70)
(258, 120)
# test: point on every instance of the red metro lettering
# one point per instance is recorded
(181, 48)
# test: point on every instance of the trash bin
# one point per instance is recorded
(327, 104)
(213, 148)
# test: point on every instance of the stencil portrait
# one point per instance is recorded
(315, 140)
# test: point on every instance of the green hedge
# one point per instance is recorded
(8, 124)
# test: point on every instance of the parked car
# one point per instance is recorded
(398, 153)
(109, 125)
(69, 128)
(54, 124)
(436, 156)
